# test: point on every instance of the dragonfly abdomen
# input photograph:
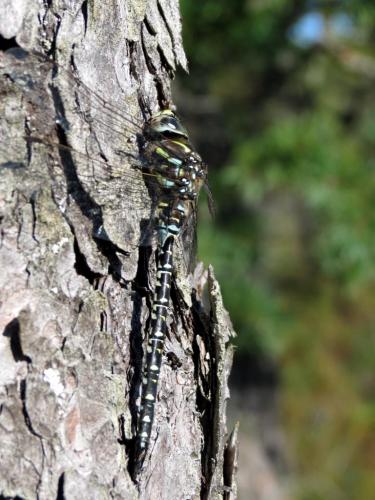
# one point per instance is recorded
(171, 219)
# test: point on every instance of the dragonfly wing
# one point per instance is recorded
(31, 71)
(187, 241)
(112, 198)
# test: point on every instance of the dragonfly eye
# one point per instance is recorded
(168, 125)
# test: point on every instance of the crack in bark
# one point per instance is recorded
(164, 62)
(169, 29)
(17, 497)
(149, 63)
(85, 14)
(7, 43)
(204, 392)
(31, 429)
(33, 209)
(12, 331)
(29, 149)
(230, 463)
(163, 100)
(60, 487)
(25, 412)
(81, 266)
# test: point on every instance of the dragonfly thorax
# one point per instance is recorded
(179, 169)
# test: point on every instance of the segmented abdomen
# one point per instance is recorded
(155, 344)
(170, 221)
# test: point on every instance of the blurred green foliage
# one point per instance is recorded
(284, 114)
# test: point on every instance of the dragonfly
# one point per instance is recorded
(164, 181)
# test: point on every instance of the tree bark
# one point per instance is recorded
(75, 307)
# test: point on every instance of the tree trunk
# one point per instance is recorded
(75, 284)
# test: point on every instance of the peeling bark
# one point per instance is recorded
(74, 307)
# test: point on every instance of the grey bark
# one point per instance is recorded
(72, 321)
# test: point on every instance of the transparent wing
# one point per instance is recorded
(114, 187)
(31, 70)
(187, 241)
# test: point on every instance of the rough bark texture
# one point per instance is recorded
(73, 308)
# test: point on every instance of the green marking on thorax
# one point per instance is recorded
(161, 152)
(184, 146)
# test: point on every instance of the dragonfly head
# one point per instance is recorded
(165, 125)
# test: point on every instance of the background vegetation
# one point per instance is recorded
(283, 112)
